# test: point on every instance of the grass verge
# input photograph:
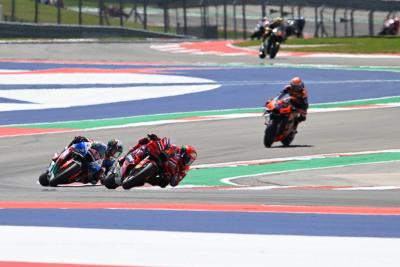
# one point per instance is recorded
(25, 12)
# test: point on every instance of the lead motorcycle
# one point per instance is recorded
(69, 167)
(280, 116)
(274, 41)
(142, 165)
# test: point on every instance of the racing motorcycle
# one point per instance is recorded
(69, 167)
(295, 27)
(280, 116)
(138, 167)
(275, 39)
(391, 27)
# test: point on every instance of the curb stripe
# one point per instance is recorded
(42, 264)
(7, 131)
(203, 207)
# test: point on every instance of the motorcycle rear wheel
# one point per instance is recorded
(63, 177)
(273, 50)
(140, 178)
(288, 139)
(109, 182)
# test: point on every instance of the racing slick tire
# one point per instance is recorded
(109, 182)
(288, 139)
(63, 177)
(44, 179)
(269, 135)
(273, 50)
(139, 178)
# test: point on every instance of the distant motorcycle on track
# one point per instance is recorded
(274, 41)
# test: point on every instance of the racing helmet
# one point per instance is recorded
(114, 148)
(296, 84)
(279, 20)
(188, 155)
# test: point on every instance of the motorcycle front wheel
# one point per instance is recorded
(63, 177)
(44, 179)
(140, 178)
(269, 135)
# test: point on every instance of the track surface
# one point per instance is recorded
(234, 226)
(23, 158)
(218, 141)
(141, 52)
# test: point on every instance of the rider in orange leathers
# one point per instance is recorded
(298, 96)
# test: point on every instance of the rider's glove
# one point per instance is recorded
(301, 118)
(121, 161)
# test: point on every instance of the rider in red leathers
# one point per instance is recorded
(174, 161)
(178, 164)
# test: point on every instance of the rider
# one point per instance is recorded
(272, 25)
(260, 28)
(298, 97)
(175, 161)
(100, 156)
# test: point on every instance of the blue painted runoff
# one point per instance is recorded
(209, 222)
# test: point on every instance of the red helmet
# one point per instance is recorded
(297, 84)
(188, 155)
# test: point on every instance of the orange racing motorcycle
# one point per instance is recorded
(280, 116)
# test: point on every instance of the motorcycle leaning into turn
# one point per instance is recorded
(280, 117)
(143, 165)
(276, 37)
(68, 167)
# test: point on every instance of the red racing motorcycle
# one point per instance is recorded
(138, 167)
(69, 167)
(280, 116)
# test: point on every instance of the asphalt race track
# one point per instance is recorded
(141, 52)
(24, 157)
(329, 199)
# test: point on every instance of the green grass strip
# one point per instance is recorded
(213, 176)
(25, 11)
